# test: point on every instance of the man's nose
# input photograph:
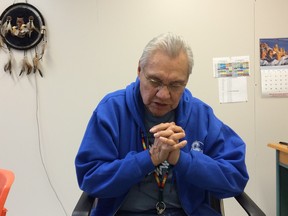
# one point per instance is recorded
(163, 92)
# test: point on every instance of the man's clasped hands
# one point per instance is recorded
(166, 145)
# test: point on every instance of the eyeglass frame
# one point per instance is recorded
(158, 84)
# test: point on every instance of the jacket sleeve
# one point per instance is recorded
(219, 167)
(105, 164)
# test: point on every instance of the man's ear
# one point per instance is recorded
(138, 69)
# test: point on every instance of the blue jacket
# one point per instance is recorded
(111, 158)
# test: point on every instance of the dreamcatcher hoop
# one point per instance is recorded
(22, 26)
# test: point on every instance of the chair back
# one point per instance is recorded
(217, 205)
(6, 181)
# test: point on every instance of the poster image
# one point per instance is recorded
(274, 52)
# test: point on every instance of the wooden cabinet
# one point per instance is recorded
(281, 178)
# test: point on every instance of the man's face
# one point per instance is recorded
(162, 82)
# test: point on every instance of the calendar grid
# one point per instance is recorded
(274, 81)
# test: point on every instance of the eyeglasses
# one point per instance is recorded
(158, 84)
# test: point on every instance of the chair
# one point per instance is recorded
(6, 181)
(86, 202)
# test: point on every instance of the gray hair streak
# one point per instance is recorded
(169, 43)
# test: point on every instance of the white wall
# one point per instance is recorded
(93, 48)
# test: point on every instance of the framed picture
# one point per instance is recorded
(22, 26)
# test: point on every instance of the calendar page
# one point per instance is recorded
(274, 81)
(274, 67)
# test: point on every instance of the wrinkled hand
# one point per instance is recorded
(166, 144)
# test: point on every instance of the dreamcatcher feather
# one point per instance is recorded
(1, 42)
(38, 57)
(26, 65)
(3, 30)
(44, 42)
(8, 65)
(6, 27)
(36, 68)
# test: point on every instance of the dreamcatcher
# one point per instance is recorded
(22, 28)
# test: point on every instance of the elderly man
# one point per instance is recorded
(154, 149)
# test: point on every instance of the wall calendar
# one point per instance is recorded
(274, 67)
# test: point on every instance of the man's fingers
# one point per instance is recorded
(161, 127)
(172, 143)
(165, 133)
(177, 136)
